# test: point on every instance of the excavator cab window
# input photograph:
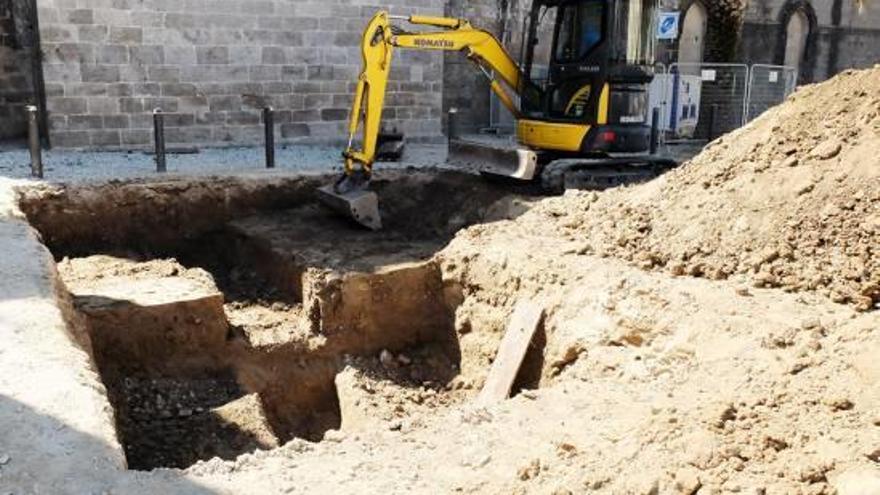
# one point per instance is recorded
(563, 34)
(575, 47)
(542, 22)
(634, 25)
(536, 57)
(581, 29)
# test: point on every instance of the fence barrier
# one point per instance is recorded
(658, 99)
(705, 100)
(769, 85)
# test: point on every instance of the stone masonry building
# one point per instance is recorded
(211, 65)
(16, 69)
(820, 37)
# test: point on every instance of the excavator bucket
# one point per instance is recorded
(493, 161)
(361, 205)
(526, 167)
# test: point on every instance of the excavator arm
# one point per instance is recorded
(349, 195)
(381, 38)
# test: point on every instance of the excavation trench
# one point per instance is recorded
(234, 314)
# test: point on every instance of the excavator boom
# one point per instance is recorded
(349, 194)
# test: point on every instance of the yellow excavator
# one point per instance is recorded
(582, 91)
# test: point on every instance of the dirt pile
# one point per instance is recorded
(790, 201)
(637, 382)
(701, 386)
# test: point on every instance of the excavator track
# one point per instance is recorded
(553, 175)
(601, 173)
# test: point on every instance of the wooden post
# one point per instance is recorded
(521, 328)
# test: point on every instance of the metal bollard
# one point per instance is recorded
(452, 123)
(159, 135)
(269, 122)
(713, 114)
(34, 142)
(655, 130)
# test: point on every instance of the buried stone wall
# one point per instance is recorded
(161, 343)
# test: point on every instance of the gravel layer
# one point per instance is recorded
(73, 166)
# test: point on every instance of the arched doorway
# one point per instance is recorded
(796, 33)
(691, 46)
(796, 44)
(691, 51)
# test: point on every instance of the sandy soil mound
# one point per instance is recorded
(703, 386)
(636, 382)
(791, 201)
(687, 385)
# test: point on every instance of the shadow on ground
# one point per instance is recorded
(39, 454)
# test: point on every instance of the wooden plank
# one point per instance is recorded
(520, 329)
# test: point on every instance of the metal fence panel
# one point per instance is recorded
(705, 100)
(769, 85)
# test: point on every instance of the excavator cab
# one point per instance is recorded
(587, 65)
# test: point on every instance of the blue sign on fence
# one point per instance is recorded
(667, 27)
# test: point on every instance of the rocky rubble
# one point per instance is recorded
(392, 391)
(174, 422)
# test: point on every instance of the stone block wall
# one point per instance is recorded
(724, 24)
(214, 64)
(16, 86)
(843, 36)
(466, 88)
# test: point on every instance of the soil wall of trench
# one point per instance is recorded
(220, 313)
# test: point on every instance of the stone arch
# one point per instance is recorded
(787, 14)
(796, 33)
(724, 23)
(692, 45)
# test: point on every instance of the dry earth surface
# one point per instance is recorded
(791, 201)
(713, 331)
